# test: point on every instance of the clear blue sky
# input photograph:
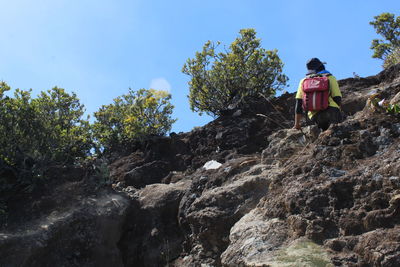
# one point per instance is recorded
(100, 48)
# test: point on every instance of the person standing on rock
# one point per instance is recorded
(318, 95)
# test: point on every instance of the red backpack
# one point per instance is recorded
(315, 93)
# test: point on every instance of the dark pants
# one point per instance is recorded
(324, 118)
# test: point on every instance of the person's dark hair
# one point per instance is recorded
(314, 65)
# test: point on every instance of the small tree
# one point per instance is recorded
(60, 128)
(245, 69)
(48, 128)
(392, 59)
(36, 133)
(388, 26)
(132, 117)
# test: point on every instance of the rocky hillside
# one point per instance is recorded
(272, 196)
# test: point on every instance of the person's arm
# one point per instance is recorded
(298, 114)
(335, 91)
(297, 121)
(299, 107)
(338, 100)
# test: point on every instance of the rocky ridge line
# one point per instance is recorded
(280, 198)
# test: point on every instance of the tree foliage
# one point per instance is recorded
(219, 79)
(48, 128)
(388, 26)
(38, 133)
(392, 59)
(133, 116)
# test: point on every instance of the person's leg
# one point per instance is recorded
(325, 117)
(335, 116)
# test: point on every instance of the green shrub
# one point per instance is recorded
(36, 133)
(388, 26)
(380, 105)
(47, 127)
(392, 59)
(224, 78)
(132, 117)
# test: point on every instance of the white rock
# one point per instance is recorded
(212, 165)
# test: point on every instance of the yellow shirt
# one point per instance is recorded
(333, 91)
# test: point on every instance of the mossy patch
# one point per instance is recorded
(302, 253)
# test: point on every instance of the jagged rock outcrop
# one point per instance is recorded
(215, 201)
(280, 198)
(334, 190)
(83, 233)
(152, 234)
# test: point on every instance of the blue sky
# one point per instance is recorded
(100, 48)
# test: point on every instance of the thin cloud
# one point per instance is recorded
(160, 84)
